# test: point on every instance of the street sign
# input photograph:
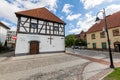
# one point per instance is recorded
(14, 37)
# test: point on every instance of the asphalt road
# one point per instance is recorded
(94, 53)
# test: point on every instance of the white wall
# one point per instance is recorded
(3, 34)
(22, 44)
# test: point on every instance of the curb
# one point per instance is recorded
(106, 74)
(101, 75)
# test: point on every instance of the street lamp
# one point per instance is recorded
(108, 40)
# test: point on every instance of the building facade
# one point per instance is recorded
(3, 33)
(97, 38)
(39, 31)
(10, 40)
(81, 35)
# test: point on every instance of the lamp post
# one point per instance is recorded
(108, 39)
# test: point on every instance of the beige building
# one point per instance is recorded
(97, 38)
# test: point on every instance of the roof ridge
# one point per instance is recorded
(112, 22)
(40, 13)
(1, 23)
(30, 9)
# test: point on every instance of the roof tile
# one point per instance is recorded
(41, 13)
(112, 21)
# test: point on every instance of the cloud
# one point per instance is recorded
(71, 26)
(30, 4)
(52, 4)
(61, 17)
(71, 17)
(90, 4)
(68, 12)
(66, 8)
(11, 26)
(9, 7)
(112, 9)
(110, 0)
(7, 10)
(84, 23)
(109, 10)
(88, 20)
(75, 31)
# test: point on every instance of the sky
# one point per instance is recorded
(77, 14)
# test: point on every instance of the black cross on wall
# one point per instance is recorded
(50, 39)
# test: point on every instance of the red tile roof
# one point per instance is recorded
(40, 13)
(1, 24)
(112, 21)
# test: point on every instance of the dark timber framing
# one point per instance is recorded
(43, 27)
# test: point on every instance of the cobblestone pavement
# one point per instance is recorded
(70, 73)
(56, 67)
(17, 65)
(85, 65)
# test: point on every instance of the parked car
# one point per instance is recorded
(78, 47)
(82, 47)
(75, 47)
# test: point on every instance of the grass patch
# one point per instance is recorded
(115, 75)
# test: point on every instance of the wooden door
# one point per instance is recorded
(34, 47)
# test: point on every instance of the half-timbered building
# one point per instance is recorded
(39, 31)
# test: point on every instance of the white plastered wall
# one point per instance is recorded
(3, 34)
(23, 45)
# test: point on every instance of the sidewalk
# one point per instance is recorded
(96, 69)
(97, 56)
(7, 54)
(56, 66)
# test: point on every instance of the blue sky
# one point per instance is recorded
(78, 14)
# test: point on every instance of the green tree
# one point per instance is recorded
(69, 40)
(80, 42)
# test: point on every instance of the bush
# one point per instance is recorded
(3, 48)
(80, 42)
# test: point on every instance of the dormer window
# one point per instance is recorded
(33, 25)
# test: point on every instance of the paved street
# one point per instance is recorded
(96, 54)
(43, 67)
(86, 65)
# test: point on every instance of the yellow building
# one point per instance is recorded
(97, 38)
